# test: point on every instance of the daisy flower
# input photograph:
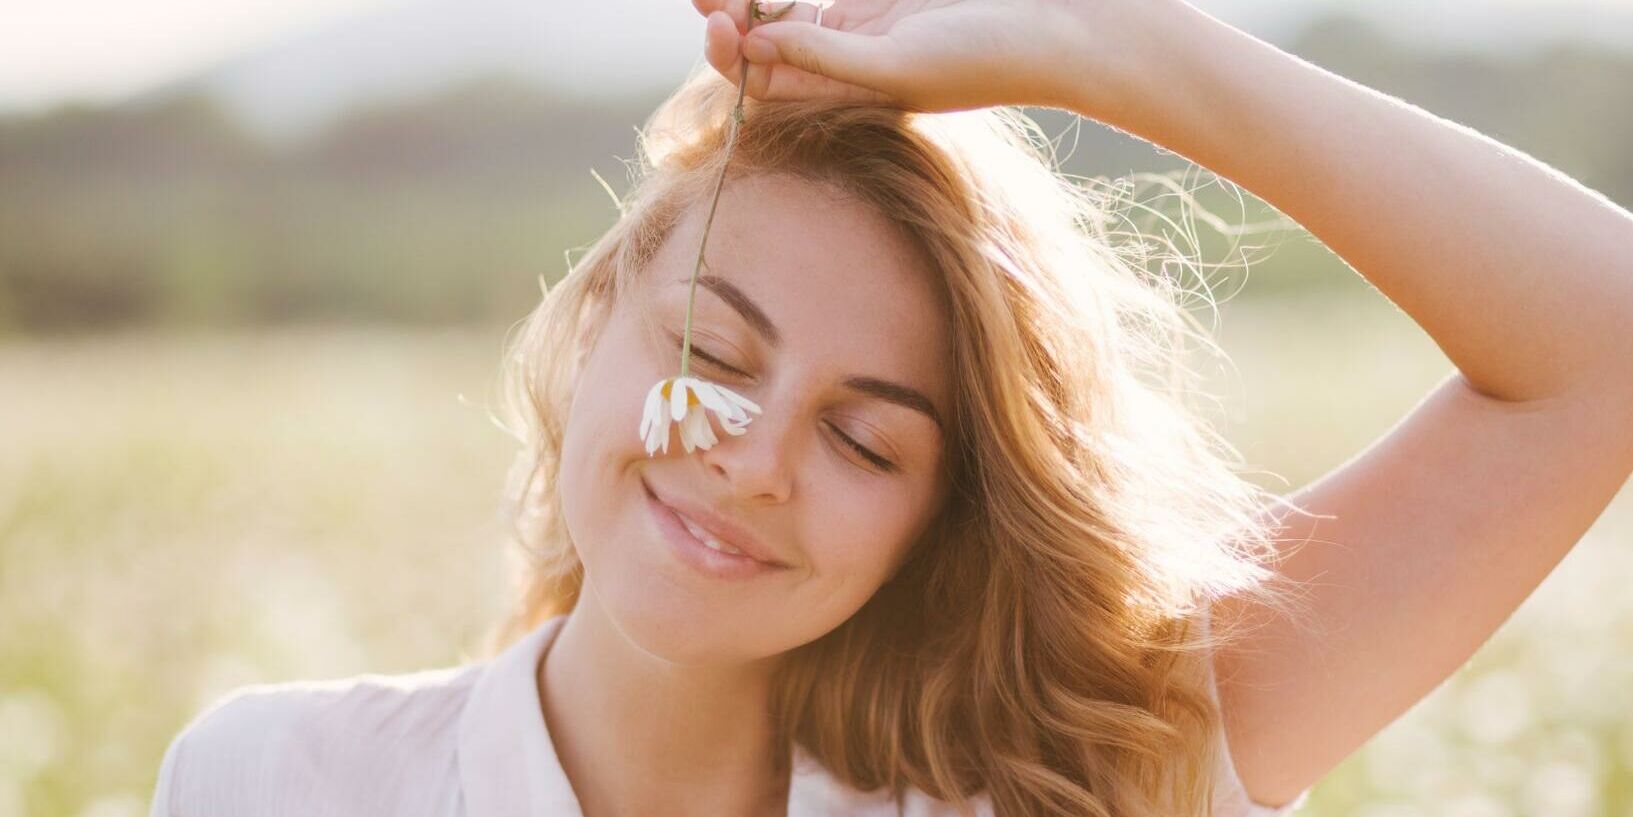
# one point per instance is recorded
(686, 402)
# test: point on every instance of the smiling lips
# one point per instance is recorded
(717, 533)
(706, 538)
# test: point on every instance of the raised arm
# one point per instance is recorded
(1443, 526)
(1418, 548)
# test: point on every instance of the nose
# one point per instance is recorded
(757, 463)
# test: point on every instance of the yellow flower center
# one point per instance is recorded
(691, 397)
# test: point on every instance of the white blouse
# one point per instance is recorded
(463, 741)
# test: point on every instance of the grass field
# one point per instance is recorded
(183, 514)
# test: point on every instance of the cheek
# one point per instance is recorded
(865, 532)
(610, 390)
(601, 436)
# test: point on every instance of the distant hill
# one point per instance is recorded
(589, 50)
(446, 206)
(619, 47)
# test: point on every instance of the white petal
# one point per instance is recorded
(709, 393)
(688, 430)
(658, 433)
(734, 412)
(660, 436)
(653, 409)
(677, 397)
(739, 400)
(685, 430)
(705, 436)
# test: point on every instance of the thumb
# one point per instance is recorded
(859, 59)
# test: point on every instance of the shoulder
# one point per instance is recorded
(817, 791)
(1230, 796)
(919, 804)
(914, 802)
(310, 747)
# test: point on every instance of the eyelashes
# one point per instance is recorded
(700, 353)
(877, 461)
(716, 362)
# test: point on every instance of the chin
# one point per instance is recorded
(660, 608)
(670, 622)
(649, 594)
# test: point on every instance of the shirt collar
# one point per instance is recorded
(508, 765)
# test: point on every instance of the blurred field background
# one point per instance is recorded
(251, 316)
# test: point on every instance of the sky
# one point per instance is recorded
(97, 50)
(101, 50)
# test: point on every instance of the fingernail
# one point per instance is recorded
(759, 49)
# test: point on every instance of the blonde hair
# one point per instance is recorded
(1039, 644)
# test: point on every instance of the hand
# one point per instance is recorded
(929, 55)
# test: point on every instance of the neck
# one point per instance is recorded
(637, 734)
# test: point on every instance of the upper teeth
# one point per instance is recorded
(704, 537)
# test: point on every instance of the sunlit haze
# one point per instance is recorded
(103, 50)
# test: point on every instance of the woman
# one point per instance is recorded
(965, 556)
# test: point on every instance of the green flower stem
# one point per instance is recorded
(731, 139)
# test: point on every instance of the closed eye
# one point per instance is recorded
(879, 462)
(698, 352)
(704, 356)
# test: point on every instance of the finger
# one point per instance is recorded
(736, 10)
(774, 10)
(722, 50)
(788, 82)
(721, 44)
(857, 59)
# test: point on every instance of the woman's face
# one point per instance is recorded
(830, 321)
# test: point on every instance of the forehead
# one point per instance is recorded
(833, 274)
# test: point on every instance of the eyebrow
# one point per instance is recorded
(742, 303)
(894, 392)
(887, 390)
